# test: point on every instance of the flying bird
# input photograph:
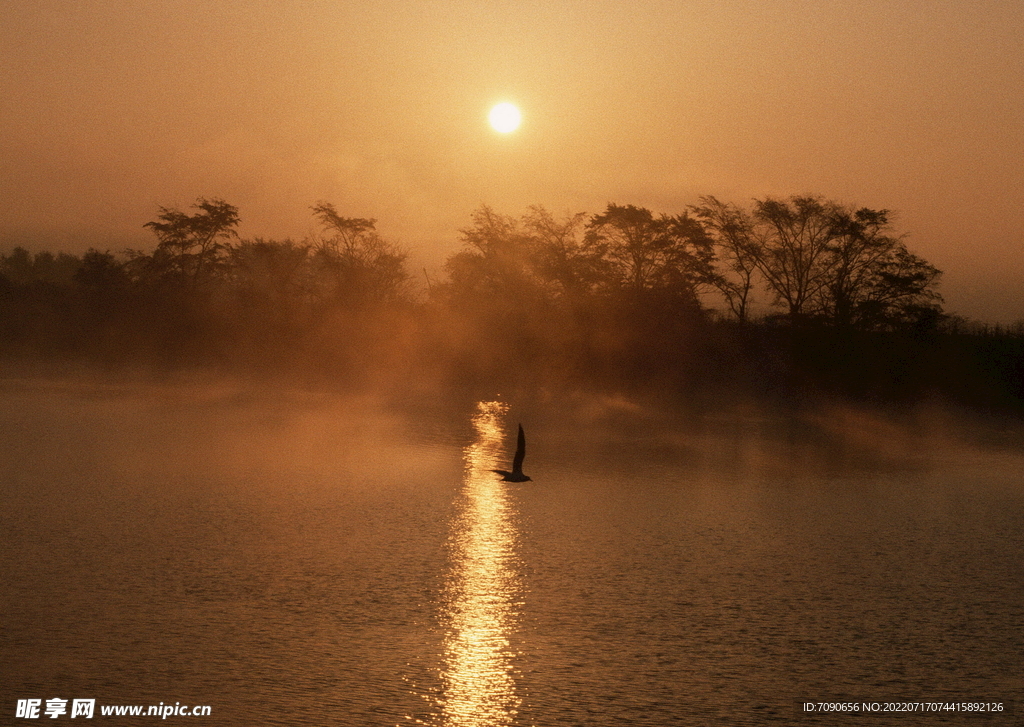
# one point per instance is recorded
(516, 475)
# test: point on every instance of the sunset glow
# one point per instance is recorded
(285, 284)
(909, 107)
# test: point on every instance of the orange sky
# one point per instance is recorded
(109, 108)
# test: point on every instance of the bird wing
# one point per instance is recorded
(517, 461)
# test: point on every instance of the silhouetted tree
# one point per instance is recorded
(900, 294)
(496, 264)
(499, 307)
(270, 280)
(793, 248)
(192, 248)
(101, 275)
(733, 232)
(104, 306)
(36, 301)
(666, 255)
(821, 261)
(363, 269)
(23, 268)
(573, 265)
(17, 267)
(57, 269)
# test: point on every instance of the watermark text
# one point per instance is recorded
(57, 707)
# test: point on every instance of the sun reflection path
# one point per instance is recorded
(482, 589)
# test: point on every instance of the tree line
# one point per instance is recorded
(818, 261)
(624, 294)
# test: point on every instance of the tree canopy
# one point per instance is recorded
(193, 248)
(821, 261)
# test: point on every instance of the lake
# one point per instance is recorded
(305, 558)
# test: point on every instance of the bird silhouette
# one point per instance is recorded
(516, 475)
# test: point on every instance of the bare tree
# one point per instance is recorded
(821, 261)
(733, 231)
(792, 248)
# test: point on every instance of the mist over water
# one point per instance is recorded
(295, 557)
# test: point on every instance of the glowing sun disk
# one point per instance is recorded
(505, 117)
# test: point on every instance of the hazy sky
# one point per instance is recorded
(110, 108)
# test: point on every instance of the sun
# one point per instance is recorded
(505, 117)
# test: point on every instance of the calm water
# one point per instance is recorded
(304, 559)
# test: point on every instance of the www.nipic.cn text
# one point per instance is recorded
(72, 708)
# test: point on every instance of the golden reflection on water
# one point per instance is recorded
(482, 588)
